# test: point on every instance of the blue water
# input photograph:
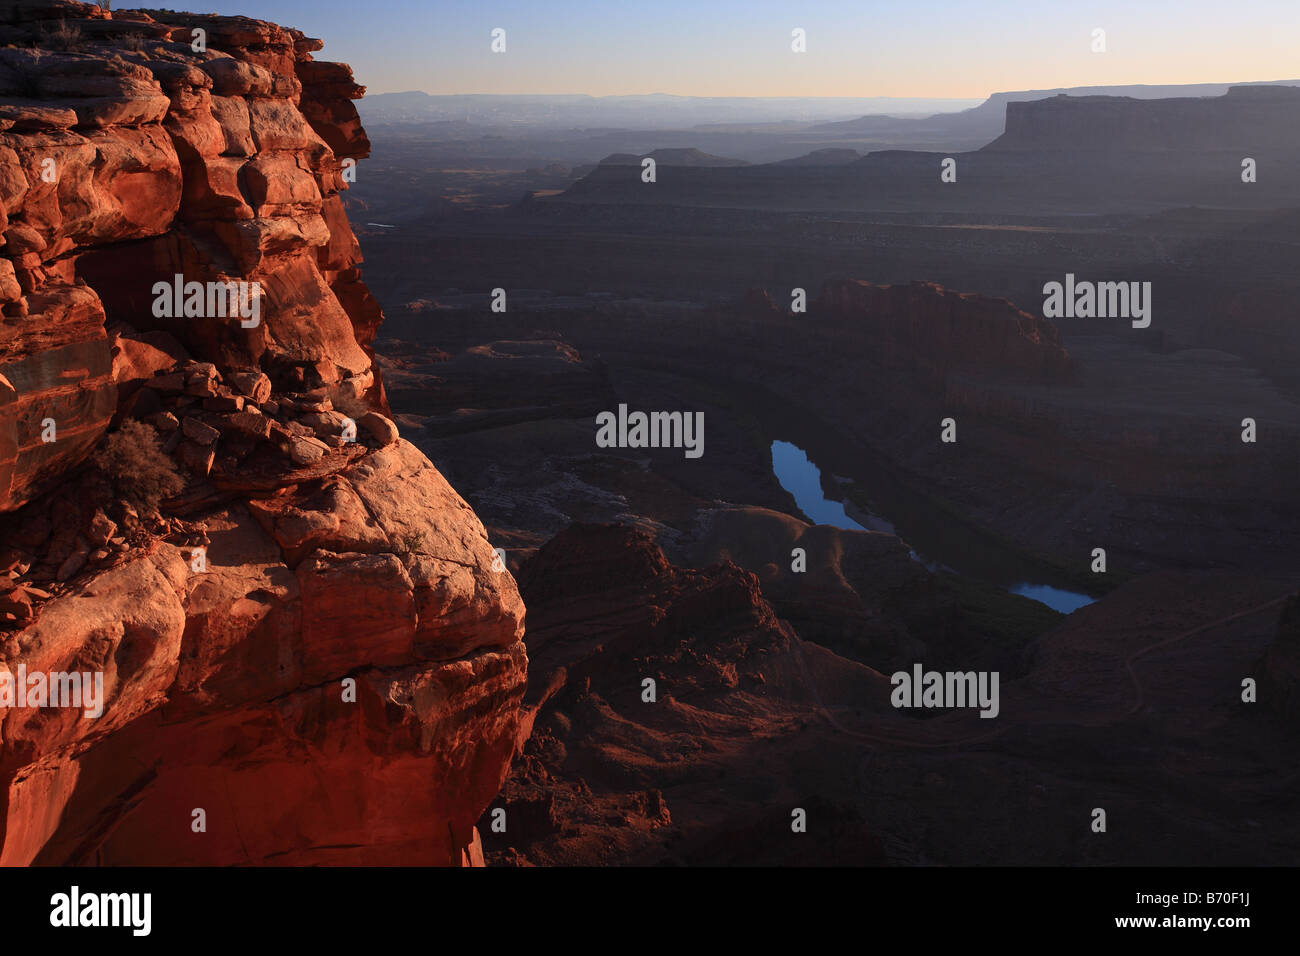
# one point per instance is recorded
(799, 476)
(1055, 598)
(803, 479)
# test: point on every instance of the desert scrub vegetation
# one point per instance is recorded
(67, 37)
(137, 467)
(411, 542)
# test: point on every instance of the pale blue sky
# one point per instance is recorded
(957, 48)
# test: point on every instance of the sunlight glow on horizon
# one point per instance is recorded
(954, 49)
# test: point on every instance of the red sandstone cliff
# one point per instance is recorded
(306, 542)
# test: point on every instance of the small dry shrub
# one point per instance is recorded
(134, 461)
(67, 37)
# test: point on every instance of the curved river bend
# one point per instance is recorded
(802, 478)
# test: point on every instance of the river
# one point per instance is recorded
(966, 555)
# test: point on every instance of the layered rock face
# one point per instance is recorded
(130, 158)
(309, 651)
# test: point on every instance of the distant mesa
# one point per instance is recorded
(1063, 154)
(988, 118)
(1244, 117)
(831, 156)
(879, 122)
(671, 157)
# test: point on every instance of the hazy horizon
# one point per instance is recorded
(947, 49)
(829, 96)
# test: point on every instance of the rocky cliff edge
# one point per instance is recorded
(308, 654)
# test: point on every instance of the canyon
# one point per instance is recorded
(302, 551)
(922, 305)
